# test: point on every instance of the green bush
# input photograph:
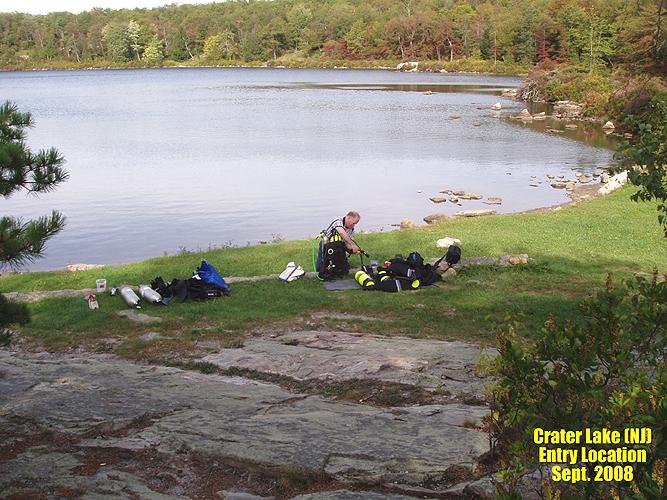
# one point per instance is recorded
(644, 155)
(592, 90)
(608, 370)
(12, 312)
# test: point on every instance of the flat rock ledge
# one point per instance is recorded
(432, 364)
(96, 414)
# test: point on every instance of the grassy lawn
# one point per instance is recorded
(573, 249)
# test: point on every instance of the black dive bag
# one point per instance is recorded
(334, 261)
(413, 267)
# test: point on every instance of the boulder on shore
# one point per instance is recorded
(567, 109)
(433, 218)
(497, 106)
(614, 182)
(409, 66)
(446, 242)
(72, 268)
(609, 126)
(407, 224)
(438, 199)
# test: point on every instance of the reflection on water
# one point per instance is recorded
(423, 87)
(186, 158)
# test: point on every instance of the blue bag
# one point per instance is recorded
(210, 275)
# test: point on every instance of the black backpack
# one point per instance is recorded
(412, 267)
(182, 290)
(198, 289)
(452, 257)
(334, 260)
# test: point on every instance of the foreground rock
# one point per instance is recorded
(137, 317)
(103, 427)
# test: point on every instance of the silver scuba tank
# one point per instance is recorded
(149, 295)
(130, 297)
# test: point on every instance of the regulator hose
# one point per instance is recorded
(315, 245)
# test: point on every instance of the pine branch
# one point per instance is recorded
(23, 242)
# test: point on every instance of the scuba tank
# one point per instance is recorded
(130, 297)
(149, 295)
(388, 283)
(366, 282)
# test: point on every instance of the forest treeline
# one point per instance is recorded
(592, 34)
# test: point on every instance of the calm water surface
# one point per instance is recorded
(161, 160)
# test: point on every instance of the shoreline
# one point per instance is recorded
(581, 193)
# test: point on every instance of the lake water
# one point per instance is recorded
(166, 159)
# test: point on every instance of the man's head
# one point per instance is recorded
(351, 220)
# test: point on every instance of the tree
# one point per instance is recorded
(133, 31)
(298, 19)
(22, 242)
(358, 38)
(153, 52)
(116, 41)
(645, 155)
(221, 46)
(642, 42)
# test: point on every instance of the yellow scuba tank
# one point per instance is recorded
(364, 280)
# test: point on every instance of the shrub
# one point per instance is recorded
(608, 370)
(644, 155)
(12, 312)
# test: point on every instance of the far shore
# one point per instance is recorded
(460, 66)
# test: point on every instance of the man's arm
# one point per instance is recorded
(348, 241)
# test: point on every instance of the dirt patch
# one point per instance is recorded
(344, 316)
(370, 392)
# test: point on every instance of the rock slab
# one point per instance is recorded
(103, 403)
(345, 356)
